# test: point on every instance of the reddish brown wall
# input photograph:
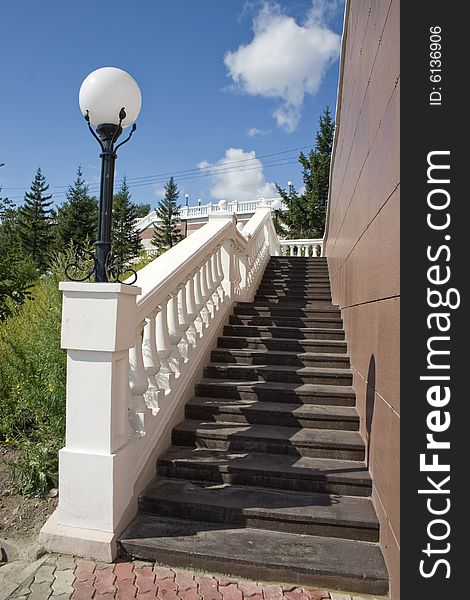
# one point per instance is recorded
(363, 243)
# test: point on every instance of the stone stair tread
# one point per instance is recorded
(306, 342)
(302, 388)
(284, 368)
(265, 502)
(296, 410)
(293, 436)
(302, 318)
(328, 469)
(288, 353)
(280, 328)
(320, 307)
(258, 554)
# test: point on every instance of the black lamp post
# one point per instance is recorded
(110, 100)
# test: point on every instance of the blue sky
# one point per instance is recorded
(223, 82)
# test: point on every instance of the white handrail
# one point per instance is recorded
(134, 355)
(196, 212)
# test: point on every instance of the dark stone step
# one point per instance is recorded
(285, 344)
(332, 395)
(261, 508)
(290, 301)
(279, 357)
(275, 471)
(295, 295)
(296, 441)
(301, 284)
(258, 554)
(288, 274)
(297, 269)
(272, 413)
(295, 277)
(287, 374)
(322, 309)
(299, 322)
(297, 292)
(276, 333)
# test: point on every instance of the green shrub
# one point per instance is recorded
(35, 469)
(32, 379)
(32, 382)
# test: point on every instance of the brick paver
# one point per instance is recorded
(63, 577)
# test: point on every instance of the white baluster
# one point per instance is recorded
(183, 318)
(137, 384)
(175, 334)
(151, 363)
(200, 322)
(220, 272)
(213, 278)
(193, 334)
(205, 314)
(209, 286)
(165, 376)
(236, 269)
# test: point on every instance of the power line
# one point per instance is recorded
(62, 195)
(157, 178)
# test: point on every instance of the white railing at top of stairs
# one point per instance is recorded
(134, 355)
(203, 211)
(302, 247)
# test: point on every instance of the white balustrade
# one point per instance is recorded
(304, 247)
(134, 356)
(196, 212)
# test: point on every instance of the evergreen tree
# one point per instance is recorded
(306, 212)
(17, 272)
(77, 218)
(126, 241)
(143, 210)
(168, 232)
(35, 222)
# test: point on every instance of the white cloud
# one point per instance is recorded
(238, 175)
(285, 60)
(255, 132)
(158, 190)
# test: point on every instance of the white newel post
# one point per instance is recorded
(98, 330)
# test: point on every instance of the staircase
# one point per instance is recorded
(266, 476)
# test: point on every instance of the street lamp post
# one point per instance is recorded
(186, 197)
(110, 100)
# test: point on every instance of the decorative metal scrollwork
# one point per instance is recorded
(80, 270)
(115, 270)
(85, 265)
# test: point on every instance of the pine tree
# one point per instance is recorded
(77, 218)
(143, 210)
(168, 232)
(17, 271)
(126, 241)
(306, 212)
(35, 222)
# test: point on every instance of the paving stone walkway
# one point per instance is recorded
(60, 577)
